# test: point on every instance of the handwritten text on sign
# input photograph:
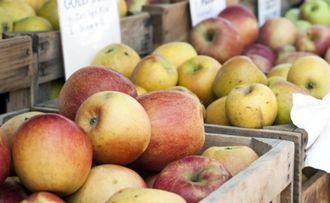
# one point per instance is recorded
(203, 9)
(268, 9)
(86, 27)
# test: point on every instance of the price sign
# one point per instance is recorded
(86, 27)
(268, 9)
(203, 9)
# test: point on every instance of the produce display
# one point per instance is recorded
(130, 128)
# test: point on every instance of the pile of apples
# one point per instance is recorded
(109, 145)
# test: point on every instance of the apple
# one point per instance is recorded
(251, 105)
(6, 23)
(145, 195)
(283, 91)
(233, 158)
(150, 180)
(49, 11)
(44, 197)
(237, 70)
(11, 191)
(315, 39)
(117, 125)
(261, 62)
(193, 177)
(119, 57)
(4, 157)
(140, 90)
(35, 4)
(316, 12)
(311, 73)
(176, 52)
(302, 25)
(216, 112)
(51, 153)
(244, 20)
(87, 81)
(154, 72)
(292, 57)
(280, 70)
(32, 24)
(197, 74)
(217, 38)
(135, 6)
(177, 128)
(292, 14)
(277, 32)
(17, 10)
(122, 8)
(261, 50)
(105, 180)
(327, 55)
(274, 79)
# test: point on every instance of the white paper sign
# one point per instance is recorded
(268, 9)
(86, 27)
(203, 9)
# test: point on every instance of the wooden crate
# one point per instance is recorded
(170, 21)
(136, 32)
(268, 179)
(15, 73)
(316, 188)
(282, 132)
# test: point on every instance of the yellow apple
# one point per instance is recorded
(105, 180)
(140, 90)
(216, 112)
(119, 57)
(234, 158)
(251, 106)
(176, 52)
(280, 70)
(274, 79)
(311, 73)
(197, 74)
(36, 4)
(49, 11)
(145, 195)
(117, 125)
(122, 8)
(6, 23)
(237, 70)
(32, 24)
(154, 73)
(17, 10)
(283, 91)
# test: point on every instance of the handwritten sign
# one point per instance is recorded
(203, 9)
(86, 27)
(268, 9)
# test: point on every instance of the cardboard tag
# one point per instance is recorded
(203, 9)
(268, 9)
(86, 27)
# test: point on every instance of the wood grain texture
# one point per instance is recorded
(316, 188)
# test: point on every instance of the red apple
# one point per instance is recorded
(51, 153)
(193, 177)
(244, 20)
(315, 39)
(292, 57)
(177, 127)
(261, 62)
(218, 38)
(11, 191)
(277, 32)
(87, 81)
(4, 157)
(44, 197)
(261, 50)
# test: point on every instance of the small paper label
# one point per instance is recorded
(268, 9)
(203, 9)
(86, 27)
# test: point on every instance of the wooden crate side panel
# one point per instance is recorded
(18, 99)
(316, 189)
(15, 63)
(137, 32)
(262, 181)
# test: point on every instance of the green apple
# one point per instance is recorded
(302, 25)
(119, 57)
(50, 12)
(280, 70)
(32, 24)
(197, 74)
(251, 105)
(36, 4)
(283, 91)
(6, 23)
(311, 73)
(56, 87)
(237, 70)
(316, 12)
(154, 72)
(216, 112)
(17, 10)
(327, 1)
(293, 14)
(234, 158)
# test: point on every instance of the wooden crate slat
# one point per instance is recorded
(317, 188)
